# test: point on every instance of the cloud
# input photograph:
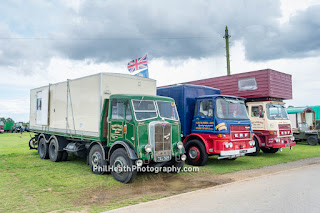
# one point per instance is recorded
(297, 38)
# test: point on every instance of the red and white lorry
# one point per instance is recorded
(264, 91)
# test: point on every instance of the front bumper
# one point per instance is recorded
(235, 153)
(282, 145)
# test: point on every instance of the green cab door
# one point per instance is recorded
(117, 122)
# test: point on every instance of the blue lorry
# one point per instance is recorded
(211, 123)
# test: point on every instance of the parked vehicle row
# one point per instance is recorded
(118, 121)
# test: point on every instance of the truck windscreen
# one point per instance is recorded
(276, 112)
(144, 109)
(167, 110)
(229, 108)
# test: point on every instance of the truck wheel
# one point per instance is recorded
(179, 165)
(43, 149)
(196, 153)
(312, 140)
(54, 154)
(256, 144)
(64, 156)
(33, 143)
(120, 160)
(269, 150)
(96, 161)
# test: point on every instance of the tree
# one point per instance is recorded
(8, 120)
(3, 120)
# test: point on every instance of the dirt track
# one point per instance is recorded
(162, 185)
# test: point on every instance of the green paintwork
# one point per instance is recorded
(137, 131)
(7, 126)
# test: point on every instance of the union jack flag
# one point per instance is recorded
(138, 64)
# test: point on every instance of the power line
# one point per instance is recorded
(105, 39)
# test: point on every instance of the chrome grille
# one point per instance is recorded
(161, 139)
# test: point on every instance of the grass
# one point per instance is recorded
(29, 184)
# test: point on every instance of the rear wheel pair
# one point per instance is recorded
(50, 150)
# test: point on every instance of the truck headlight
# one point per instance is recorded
(228, 145)
(148, 148)
(183, 157)
(139, 162)
(180, 145)
(277, 140)
(251, 143)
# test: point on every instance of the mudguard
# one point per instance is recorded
(131, 153)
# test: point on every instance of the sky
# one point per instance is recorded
(46, 41)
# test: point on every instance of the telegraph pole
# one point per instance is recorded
(227, 36)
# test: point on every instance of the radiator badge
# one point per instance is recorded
(167, 136)
(221, 126)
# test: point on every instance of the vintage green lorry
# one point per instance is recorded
(120, 132)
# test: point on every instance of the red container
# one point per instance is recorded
(254, 84)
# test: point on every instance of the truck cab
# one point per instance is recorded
(211, 123)
(271, 125)
(220, 126)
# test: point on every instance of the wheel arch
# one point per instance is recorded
(102, 148)
(122, 144)
(198, 137)
(258, 139)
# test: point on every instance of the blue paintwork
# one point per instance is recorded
(186, 96)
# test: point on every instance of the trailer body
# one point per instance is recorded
(207, 122)
(264, 91)
(112, 119)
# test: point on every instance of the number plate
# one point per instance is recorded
(163, 158)
(243, 151)
(287, 144)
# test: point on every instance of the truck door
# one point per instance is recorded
(203, 119)
(116, 120)
(257, 117)
(42, 107)
(129, 126)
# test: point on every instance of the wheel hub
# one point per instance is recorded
(194, 153)
(119, 164)
(96, 158)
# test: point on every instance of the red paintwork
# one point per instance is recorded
(270, 83)
(217, 144)
(198, 153)
(267, 140)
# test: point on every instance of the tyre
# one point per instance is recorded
(178, 165)
(64, 156)
(119, 160)
(256, 144)
(54, 154)
(269, 150)
(95, 159)
(33, 143)
(312, 140)
(43, 149)
(196, 153)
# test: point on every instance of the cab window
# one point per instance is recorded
(206, 108)
(117, 110)
(128, 112)
(256, 111)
